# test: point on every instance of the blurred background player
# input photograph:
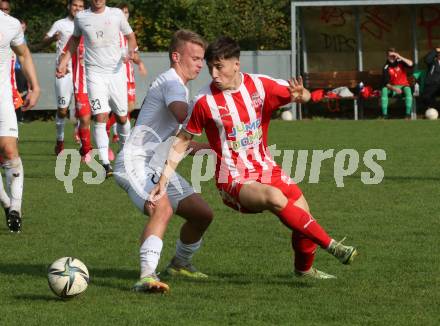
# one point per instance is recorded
(60, 32)
(131, 83)
(106, 83)
(82, 106)
(12, 37)
(235, 111)
(432, 78)
(164, 108)
(395, 81)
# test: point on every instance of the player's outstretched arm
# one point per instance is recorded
(71, 47)
(176, 154)
(298, 93)
(25, 58)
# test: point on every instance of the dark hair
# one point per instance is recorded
(181, 37)
(70, 2)
(123, 5)
(222, 48)
(391, 50)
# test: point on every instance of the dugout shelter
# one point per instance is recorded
(352, 36)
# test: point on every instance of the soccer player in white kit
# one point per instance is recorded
(60, 32)
(106, 84)
(164, 108)
(131, 82)
(11, 37)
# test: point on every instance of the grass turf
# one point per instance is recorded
(395, 225)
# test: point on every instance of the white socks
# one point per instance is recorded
(4, 198)
(123, 132)
(59, 122)
(14, 182)
(101, 140)
(150, 255)
(185, 252)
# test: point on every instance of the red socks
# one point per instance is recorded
(110, 122)
(300, 221)
(86, 143)
(304, 249)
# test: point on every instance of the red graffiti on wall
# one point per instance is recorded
(378, 22)
(334, 16)
(429, 19)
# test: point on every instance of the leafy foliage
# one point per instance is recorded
(257, 25)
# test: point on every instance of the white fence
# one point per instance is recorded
(277, 64)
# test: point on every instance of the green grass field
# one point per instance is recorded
(395, 225)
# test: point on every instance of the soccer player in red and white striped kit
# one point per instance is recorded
(235, 111)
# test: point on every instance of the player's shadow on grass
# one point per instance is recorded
(103, 278)
(37, 297)
(98, 276)
(243, 279)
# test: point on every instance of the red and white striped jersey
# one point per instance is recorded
(236, 124)
(78, 68)
(128, 66)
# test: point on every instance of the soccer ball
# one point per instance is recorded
(287, 116)
(68, 277)
(431, 114)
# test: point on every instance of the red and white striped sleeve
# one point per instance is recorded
(277, 92)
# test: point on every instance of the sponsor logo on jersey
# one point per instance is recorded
(257, 101)
(245, 135)
(223, 111)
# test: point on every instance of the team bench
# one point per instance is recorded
(330, 80)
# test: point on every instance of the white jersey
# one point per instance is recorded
(65, 29)
(101, 38)
(138, 165)
(11, 34)
(167, 88)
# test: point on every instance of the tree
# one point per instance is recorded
(256, 24)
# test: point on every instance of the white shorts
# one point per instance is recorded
(139, 180)
(108, 92)
(8, 119)
(64, 91)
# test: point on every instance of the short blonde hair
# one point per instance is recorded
(183, 36)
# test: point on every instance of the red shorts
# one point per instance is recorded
(131, 92)
(230, 191)
(82, 105)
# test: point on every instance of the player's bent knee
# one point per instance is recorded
(9, 151)
(121, 119)
(302, 203)
(274, 197)
(62, 112)
(205, 219)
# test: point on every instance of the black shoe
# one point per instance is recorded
(6, 209)
(13, 220)
(108, 170)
